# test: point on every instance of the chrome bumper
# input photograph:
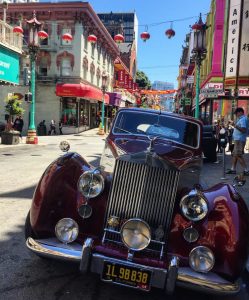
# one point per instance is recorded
(161, 278)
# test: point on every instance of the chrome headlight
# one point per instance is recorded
(194, 206)
(91, 184)
(135, 234)
(66, 230)
(201, 259)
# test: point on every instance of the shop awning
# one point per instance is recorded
(115, 99)
(80, 90)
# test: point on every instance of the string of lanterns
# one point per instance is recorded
(118, 38)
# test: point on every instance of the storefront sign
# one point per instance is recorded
(244, 93)
(9, 66)
(190, 79)
(212, 90)
(244, 46)
(233, 38)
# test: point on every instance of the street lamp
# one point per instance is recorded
(33, 46)
(199, 53)
(103, 88)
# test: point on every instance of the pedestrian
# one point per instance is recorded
(239, 137)
(230, 129)
(217, 135)
(18, 124)
(52, 127)
(60, 127)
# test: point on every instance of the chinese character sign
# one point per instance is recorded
(244, 51)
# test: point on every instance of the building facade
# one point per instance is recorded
(68, 73)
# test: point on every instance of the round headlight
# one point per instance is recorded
(91, 184)
(66, 230)
(135, 234)
(201, 259)
(194, 206)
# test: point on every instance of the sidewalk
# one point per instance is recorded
(45, 140)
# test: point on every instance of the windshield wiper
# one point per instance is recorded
(123, 130)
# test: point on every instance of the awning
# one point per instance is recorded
(80, 90)
(115, 99)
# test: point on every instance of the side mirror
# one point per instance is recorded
(239, 181)
(64, 146)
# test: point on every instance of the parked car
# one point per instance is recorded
(142, 219)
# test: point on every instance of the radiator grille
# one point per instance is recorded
(145, 192)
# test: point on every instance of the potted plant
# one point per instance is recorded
(13, 108)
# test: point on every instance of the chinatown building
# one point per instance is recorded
(70, 62)
(237, 61)
(10, 52)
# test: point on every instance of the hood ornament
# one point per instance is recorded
(152, 140)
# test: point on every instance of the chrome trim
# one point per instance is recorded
(53, 248)
(209, 282)
(172, 275)
(86, 256)
(163, 138)
(204, 282)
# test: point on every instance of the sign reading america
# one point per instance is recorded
(233, 38)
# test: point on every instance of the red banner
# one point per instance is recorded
(130, 86)
(126, 81)
(121, 76)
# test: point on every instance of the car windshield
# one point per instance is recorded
(139, 123)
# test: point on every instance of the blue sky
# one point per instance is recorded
(159, 57)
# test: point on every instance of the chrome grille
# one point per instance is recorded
(145, 192)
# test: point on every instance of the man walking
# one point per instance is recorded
(239, 137)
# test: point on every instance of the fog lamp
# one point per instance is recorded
(91, 184)
(190, 235)
(66, 230)
(135, 234)
(201, 259)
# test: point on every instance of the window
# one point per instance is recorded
(66, 69)
(85, 73)
(65, 43)
(43, 69)
(93, 48)
(99, 52)
(85, 42)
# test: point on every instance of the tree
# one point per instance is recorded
(12, 108)
(143, 81)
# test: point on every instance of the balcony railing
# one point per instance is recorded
(9, 39)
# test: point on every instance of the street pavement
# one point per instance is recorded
(25, 276)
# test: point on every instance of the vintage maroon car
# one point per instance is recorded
(143, 219)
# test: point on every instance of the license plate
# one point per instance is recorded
(126, 275)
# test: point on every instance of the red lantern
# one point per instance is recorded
(18, 30)
(42, 35)
(67, 37)
(170, 32)
(145, 36)
(92, 39)
(119, 38)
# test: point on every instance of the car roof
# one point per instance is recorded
(161, 112)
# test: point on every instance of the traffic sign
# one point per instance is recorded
(185, 101)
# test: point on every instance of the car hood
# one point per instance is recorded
(168, 152)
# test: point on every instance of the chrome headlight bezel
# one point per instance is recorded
(124, 239)
(201, 251)
(87, 184)
(200, 204)
(70, 224)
